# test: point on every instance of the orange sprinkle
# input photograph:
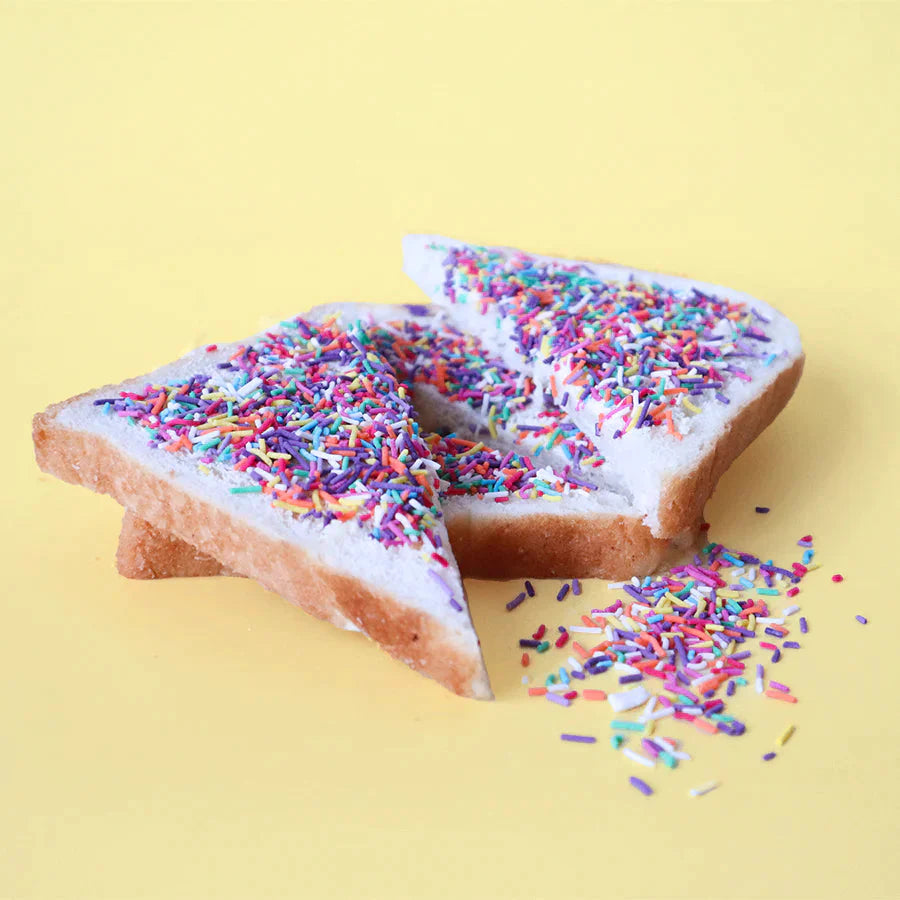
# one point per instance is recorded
(705, 725)
(580, 650)
(537, 691)
(780, 695)
(593, 695)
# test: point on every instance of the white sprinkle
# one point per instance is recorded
(616, 585)
(638, 757)
(791, 610)
(680, 754)
(524, 679)
(704, 789)
(584, 629)
(574, 664)
(661, 713)
(624, 700)
(759, 685)
(768, 620)
(558, 688)
(622, 667)
(667, 745)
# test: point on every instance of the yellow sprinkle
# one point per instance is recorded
(712, 627)
(475, 449)
(353, 433)
(729, 595)
(650, 727)
(272, 454)
(751, 622)
(203, 469)
(703, 644)
(688, 404)
(785, 735)
(731, 648)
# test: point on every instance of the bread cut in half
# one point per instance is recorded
(535, 502)
(669, 379)
(293, 458)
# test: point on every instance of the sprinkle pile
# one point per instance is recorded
(678, 646)
(317, 421)
(641, 351)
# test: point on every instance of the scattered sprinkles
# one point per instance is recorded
(862, 620)
(687, 634)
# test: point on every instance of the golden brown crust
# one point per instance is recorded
(408, 635)
(147, 552)
(548, 546)
(683, 499)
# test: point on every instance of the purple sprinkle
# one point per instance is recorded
(575, 673)
(529, 588)
(631, 679)
(804, 627)
(576, 587)
(768, 756)
(556, 698)
(862, 620)
(776, 655)
(528, 642)
(642, 786)
(762, 509)
(779, 686)
(579, 738)
(790, 645)
(760, 671)
(562, 592)
(732, 687)
(514, 603)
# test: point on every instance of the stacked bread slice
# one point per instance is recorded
(669, 378)
(540, 418)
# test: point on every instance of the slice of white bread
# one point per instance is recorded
(599, 336)
(362, 557)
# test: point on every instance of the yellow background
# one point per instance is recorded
(171, 174)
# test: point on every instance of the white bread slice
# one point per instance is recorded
(533, 309)
(398, 595)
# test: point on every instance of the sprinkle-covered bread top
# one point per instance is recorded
(316, 419)
(639, 350)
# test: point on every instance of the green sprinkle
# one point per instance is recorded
(252, 489)
(769, 592)
(626, 726)
(668, 759)
(543, 647)
(616, 741)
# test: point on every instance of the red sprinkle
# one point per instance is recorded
(792, 592)
(837, 577)
(539, 633)
(212, 347)
(570, 695)
(562, 639)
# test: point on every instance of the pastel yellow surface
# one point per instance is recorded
(175, 174)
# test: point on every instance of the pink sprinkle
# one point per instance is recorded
(212, 347)
(837, 578)
(792, 592)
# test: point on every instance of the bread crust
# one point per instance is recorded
(411, 636)
(683, 499)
